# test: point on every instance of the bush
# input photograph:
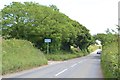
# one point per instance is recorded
(109, 60)
(0, 55)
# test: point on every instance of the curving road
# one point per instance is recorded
(84, 67)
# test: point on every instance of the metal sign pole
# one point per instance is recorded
(47, 41)
(48, 48)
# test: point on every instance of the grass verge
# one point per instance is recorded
(18, 55)
(62, 55)
(109, 60)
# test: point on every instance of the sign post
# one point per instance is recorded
(47, 41)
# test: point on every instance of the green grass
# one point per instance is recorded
(62, 55)
(109, 60)
(18, 55)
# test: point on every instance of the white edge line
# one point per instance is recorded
(61, 72)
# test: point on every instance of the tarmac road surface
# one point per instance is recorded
(84, 67)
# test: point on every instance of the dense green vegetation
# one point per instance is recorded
(110, 56)
(20, 54)
(35, 22)
(0, 55)
(110, 60)
(64, 55)
(24, 24)
(92, 48)
(60, 57)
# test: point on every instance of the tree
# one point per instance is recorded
(106, 38)
(108, 31)
(35, 22)
(54, 7)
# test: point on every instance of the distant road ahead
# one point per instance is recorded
(84, 67)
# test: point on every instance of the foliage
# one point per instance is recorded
(0, 23)
(106, 38)
(93, 47)
(62, 55)
(35, 22)
(0, 55)
(109, 60)
(18, 55)
(54, 7)
(109, 57)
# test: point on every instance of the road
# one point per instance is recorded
(84, 67)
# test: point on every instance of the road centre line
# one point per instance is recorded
(73, 65)
(81, 61)
(67, 68)
(61, 72)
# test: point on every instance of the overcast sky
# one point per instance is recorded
(96, 15)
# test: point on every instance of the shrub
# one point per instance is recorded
(110, 60)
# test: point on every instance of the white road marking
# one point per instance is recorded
(73, 65)
(80, 61)
(67, 69)
(99, 60)
(64, 61)
(61, 72)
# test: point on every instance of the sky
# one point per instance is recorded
(95, 15)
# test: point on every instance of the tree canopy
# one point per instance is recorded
(35, 22)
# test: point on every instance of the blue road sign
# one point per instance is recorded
(47, 40)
